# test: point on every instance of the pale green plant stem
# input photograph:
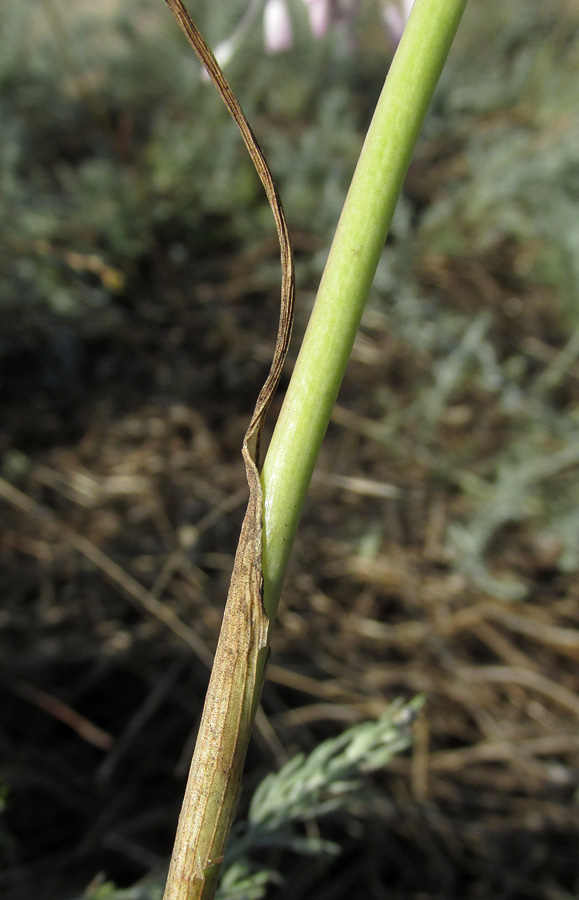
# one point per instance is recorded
(347, 278)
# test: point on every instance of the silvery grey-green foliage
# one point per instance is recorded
(327, 780)
(107, 891)
(513, 496)
(112, 145)
(514, 184)
(518, 121)
(324, 781)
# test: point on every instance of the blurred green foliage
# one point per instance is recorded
(515, 109)
(113, 146)
(499, 239)
(330, 779)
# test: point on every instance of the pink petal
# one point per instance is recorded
(277, 26)
(319, 12)
(395, 16)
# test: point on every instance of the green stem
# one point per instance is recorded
(348, 276)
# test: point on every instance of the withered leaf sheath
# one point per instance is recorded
(235, 685)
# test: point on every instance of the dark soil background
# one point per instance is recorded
(438, 551)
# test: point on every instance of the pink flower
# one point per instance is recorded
(277, 23)
(395, 15)
(277, 26)
(320, 13)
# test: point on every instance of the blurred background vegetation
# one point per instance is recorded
(440, 548)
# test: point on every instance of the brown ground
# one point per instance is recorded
(132, 489)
